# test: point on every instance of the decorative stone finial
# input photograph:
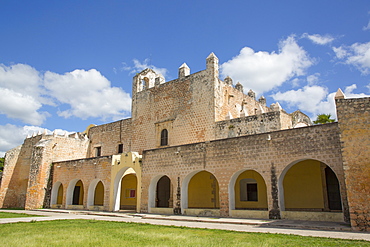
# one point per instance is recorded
(262, 100)
(239, 87)
(184, 70)
(228, 80)
(339, 94)
(212, 62)
(252, 94)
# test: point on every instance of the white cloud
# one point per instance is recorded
(21, 78)
(315, 99)
(263, 71)
(20, 90)
(365, 28)
(340, 52)
(357, 55)
(12, 136)
(310, 99)
(348, 92)
(319, 39)
(140, 66)
(89, 94)
(18, 106)
(313, 79)
(85, 94)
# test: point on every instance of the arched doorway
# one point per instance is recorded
(163, 192)
(333, 190)
(128, 196)
(78, 193)
(125, 190)
(203, 191)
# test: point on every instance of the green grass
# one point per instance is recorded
(15, 215)
(104, 233)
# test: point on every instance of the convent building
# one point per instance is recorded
(198, 145)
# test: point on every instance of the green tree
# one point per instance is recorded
(323, 118)
(2, 163)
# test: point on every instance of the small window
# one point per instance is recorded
(120, 148)
(248, 190)
(252, 194)
(164, 137)
(98, 151)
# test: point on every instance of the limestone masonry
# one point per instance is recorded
(198, 145)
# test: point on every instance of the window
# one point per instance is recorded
(120, 148)
(252, 192)
(98, 151)
(248, 190)
(164, 137)
(130, 193)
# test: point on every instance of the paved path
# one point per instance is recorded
(303, 228)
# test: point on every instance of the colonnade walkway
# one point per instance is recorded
(295, 227)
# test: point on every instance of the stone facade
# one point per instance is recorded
(198, 145)
(354, 125)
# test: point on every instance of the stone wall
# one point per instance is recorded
(51, 148)
(9, 185)
(270, 154)
(354, 124)
(89, 171)
(183, 106)
(109, 136)
(231, 102)
(249, 125)
(28, 168)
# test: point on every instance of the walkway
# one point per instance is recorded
(303, 228)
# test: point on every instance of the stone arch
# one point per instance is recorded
(163, 192)
(128, 195)
(118, 184)
(153, 188)
(303, 186)
(261, 188)
(57, 194)
(206, 194)
(71, 192)
(91, 194)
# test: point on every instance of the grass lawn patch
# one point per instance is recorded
(104, 233)
(15, 215)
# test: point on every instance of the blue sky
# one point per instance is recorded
(67, 64)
